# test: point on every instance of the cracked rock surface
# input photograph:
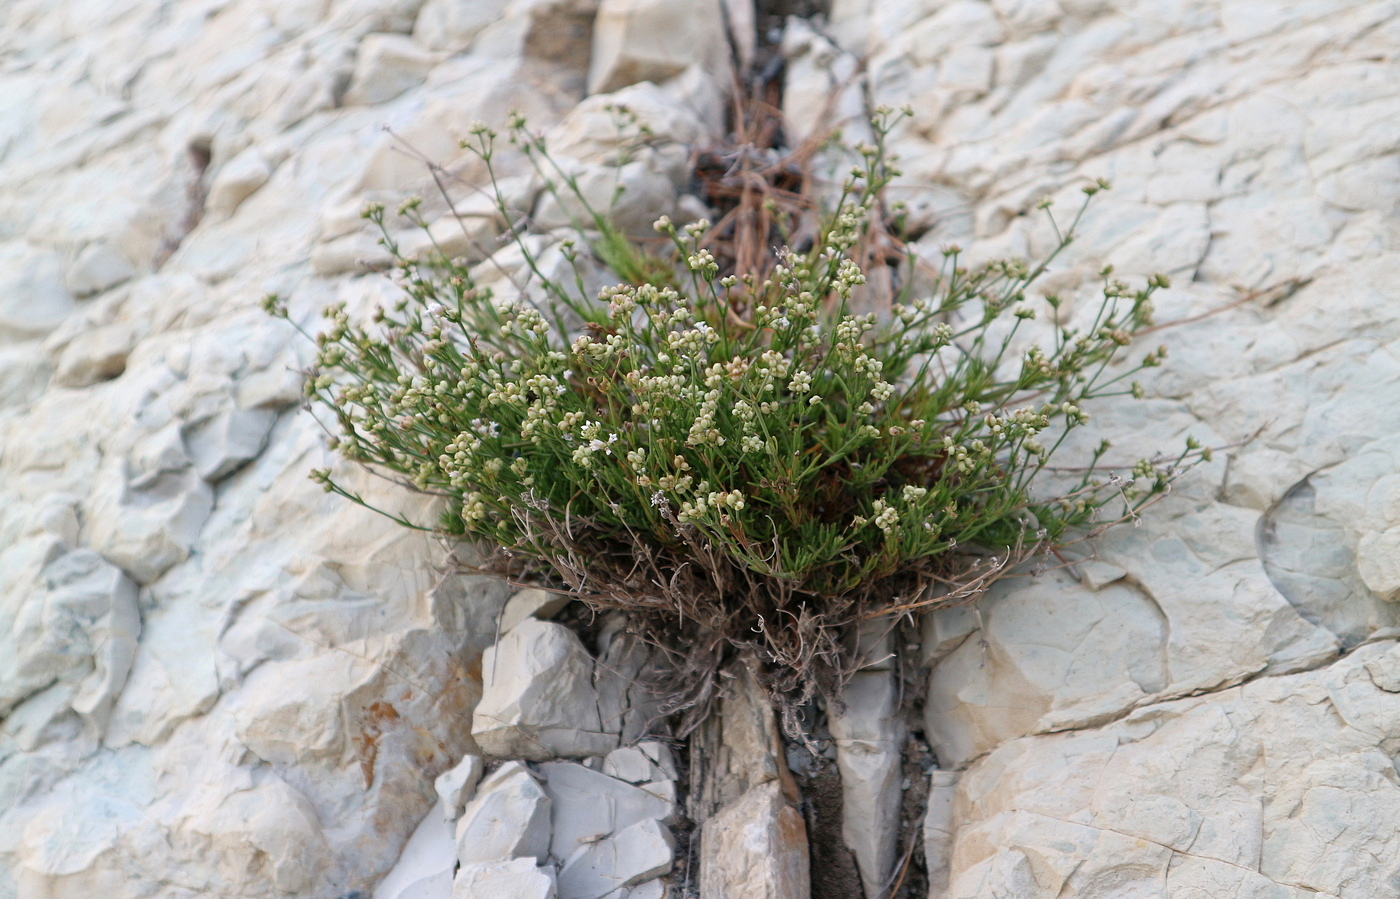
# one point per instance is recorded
(216, 680)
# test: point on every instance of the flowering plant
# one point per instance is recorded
(745, 454)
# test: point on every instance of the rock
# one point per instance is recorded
(79, 629)
(737, 749)
(457, 786)
(632, 197)
(1108, 805)
(1376, 560)
(96, 355)
(641, 764)
(589, 806)
(632, 855)
(517, 879)
(869, 751)
(33, 298)
(822, 84)
(222, 444)
(426, 865)
(652, 889)
(539, 701)
(589, 133)
(507, 819)
(98, 267)
(148, 511)
(940, 826)
(237, 180)
(386, 65)
(756, 848)
(531, 603)
(453, 24)
(651, 40)
(627, 703)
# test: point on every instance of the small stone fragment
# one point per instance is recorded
(507, 819)
(636, 854)
(589, 806)
(424, 869)
(531, 603)
(519, 878)
(457, 787)
(98, 268)
(222, 444)
(96, 355)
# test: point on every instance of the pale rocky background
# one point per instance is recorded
(216, 680)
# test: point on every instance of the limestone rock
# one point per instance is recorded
(223, 443)
(539, 701)
(589, 806)
(389, 64)
(1376, 560)
(640, 764)
(149, 508)
(940, 826)
(507, 819)
(456, 787)
(33, 297)
(755, 849)
(652, 40)
(98, 267)
(532, 603)
(1137, 825)
(80, 629)
(869, 738)
(632, 855)
(452, 24)
(517, 879)
(426, 865)
(96, 355)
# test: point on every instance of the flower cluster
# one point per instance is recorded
(805, 443)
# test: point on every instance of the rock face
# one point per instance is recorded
(539, 701)
(216, 680)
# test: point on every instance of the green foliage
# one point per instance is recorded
(752, 433)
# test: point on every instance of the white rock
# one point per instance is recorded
(632, 197)
(79, 628)
(237, 180)
(652, 889)
(452, 24)
(98, 267)
(940, 826)
(869, 738)
(652, 40)
(386, 65)
(456, 786)
(426, 864)
(822, 83)
(634, 854)
(1378, 561)
(634, 765)
(517, 879)
(33, 298)
(538, 700)
(755, 849)
(532, 603)
(96, 355)
(589, 806)
(223, 443)
(147, 512)
(507, 819)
